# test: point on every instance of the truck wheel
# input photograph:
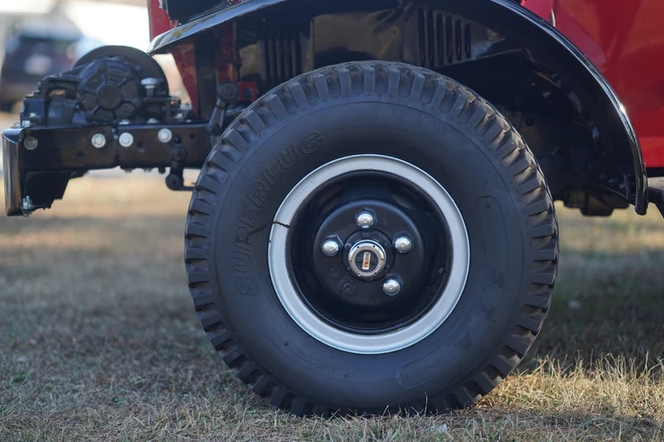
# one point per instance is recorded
(371, 236)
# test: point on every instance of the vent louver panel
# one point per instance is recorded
(283, 55)
(444, 39)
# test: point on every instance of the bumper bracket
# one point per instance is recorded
(12, 173)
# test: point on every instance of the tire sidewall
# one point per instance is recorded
(283, 155)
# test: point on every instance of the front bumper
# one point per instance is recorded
(28, 188)
(11, 164)
(39, 161)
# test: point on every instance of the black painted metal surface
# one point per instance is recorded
(63, 153)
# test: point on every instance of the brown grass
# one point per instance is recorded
(98, 339)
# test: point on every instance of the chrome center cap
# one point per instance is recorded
(366, 259)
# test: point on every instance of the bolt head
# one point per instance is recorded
(30, 143)
(150, 83)
(391, 287)
(26, 203)
(98, 141)
(126, 139)
(365, 220)
(165, 135)
(330, 248)
(403, 244)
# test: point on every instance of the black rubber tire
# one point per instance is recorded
(423, 118)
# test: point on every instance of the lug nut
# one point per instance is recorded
(365, 220)
(98, 140)
(330, 248)
(126, 139)
(391, 287)
(30, 143)
(165, 135)
(403, 244)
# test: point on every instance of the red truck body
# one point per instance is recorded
(625, 41)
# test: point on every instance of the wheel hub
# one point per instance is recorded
(356, 250)
(368, 255)
(367, 259)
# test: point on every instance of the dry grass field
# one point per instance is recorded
(99, 341)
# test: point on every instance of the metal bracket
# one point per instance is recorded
(175, 179)
(227, 95)
(656, 193)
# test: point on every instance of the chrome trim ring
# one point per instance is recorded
(343, 340)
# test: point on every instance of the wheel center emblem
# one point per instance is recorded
(366, 259)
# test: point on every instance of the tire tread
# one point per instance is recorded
(371, 79)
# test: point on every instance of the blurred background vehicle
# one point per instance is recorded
(41, 37)
(37, 49)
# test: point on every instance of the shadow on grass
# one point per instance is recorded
(605, 308)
